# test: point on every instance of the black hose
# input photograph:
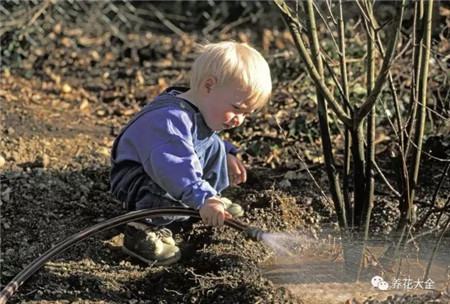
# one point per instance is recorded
(34, 266)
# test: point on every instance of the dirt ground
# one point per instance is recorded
(60, 113)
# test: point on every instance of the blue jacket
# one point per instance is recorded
(168, 146)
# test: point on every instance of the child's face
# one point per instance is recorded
(225, 106)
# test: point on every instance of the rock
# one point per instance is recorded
(42, 161)
(15, 156)
(10, 131)
(2, 161)
(84, 104)
(101, 113)
(285, 183)
(308, 201)
(140, 78)
(104, 151)
(95, 55)
(99, 219)
(95, 86)
(66, 88)
(6, 73)
(55, 102)
(57, 29)
(290, 175)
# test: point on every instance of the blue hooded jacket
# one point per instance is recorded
(168, 148)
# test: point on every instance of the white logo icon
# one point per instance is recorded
(383, 285)
(376, 281)
(379, 283)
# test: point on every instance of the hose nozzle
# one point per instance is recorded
(254, 233)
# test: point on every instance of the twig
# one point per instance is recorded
(433, 200)
(425, 233)
(326, 25)
(39, 12)
(396, 132)
(167, 22)
(436, 247)
(383, 177)
(238, 22)
(295, 29)
(312, 167)
(433, 111)
(298, 79)
(338, 85)
(422, 97)
(328, 2)
(343, 60)
(305, 166)
(173, 291)
(406, 48)
(417, 36)
(350, 60)
(333, 177)
(387, 62)
(445, 160)
(206, 277)
(365, 14)
(447, 205)
(397, 248)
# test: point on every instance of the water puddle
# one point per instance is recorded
(313, 269)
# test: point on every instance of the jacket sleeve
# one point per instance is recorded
(170, 160)
(175, 167)
(230, 148)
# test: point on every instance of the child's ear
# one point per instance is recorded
(209, 83)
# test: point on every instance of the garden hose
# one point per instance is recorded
(33, 267)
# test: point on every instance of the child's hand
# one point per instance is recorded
(213, 212)
(236, 170)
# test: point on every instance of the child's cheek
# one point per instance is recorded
(228, 116)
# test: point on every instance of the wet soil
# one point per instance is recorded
(322, 278)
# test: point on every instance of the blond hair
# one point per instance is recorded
(232, 61)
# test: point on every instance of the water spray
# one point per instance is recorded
(11, 288)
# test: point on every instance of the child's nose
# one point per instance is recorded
(239, 119)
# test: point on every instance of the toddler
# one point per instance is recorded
(170, 153)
